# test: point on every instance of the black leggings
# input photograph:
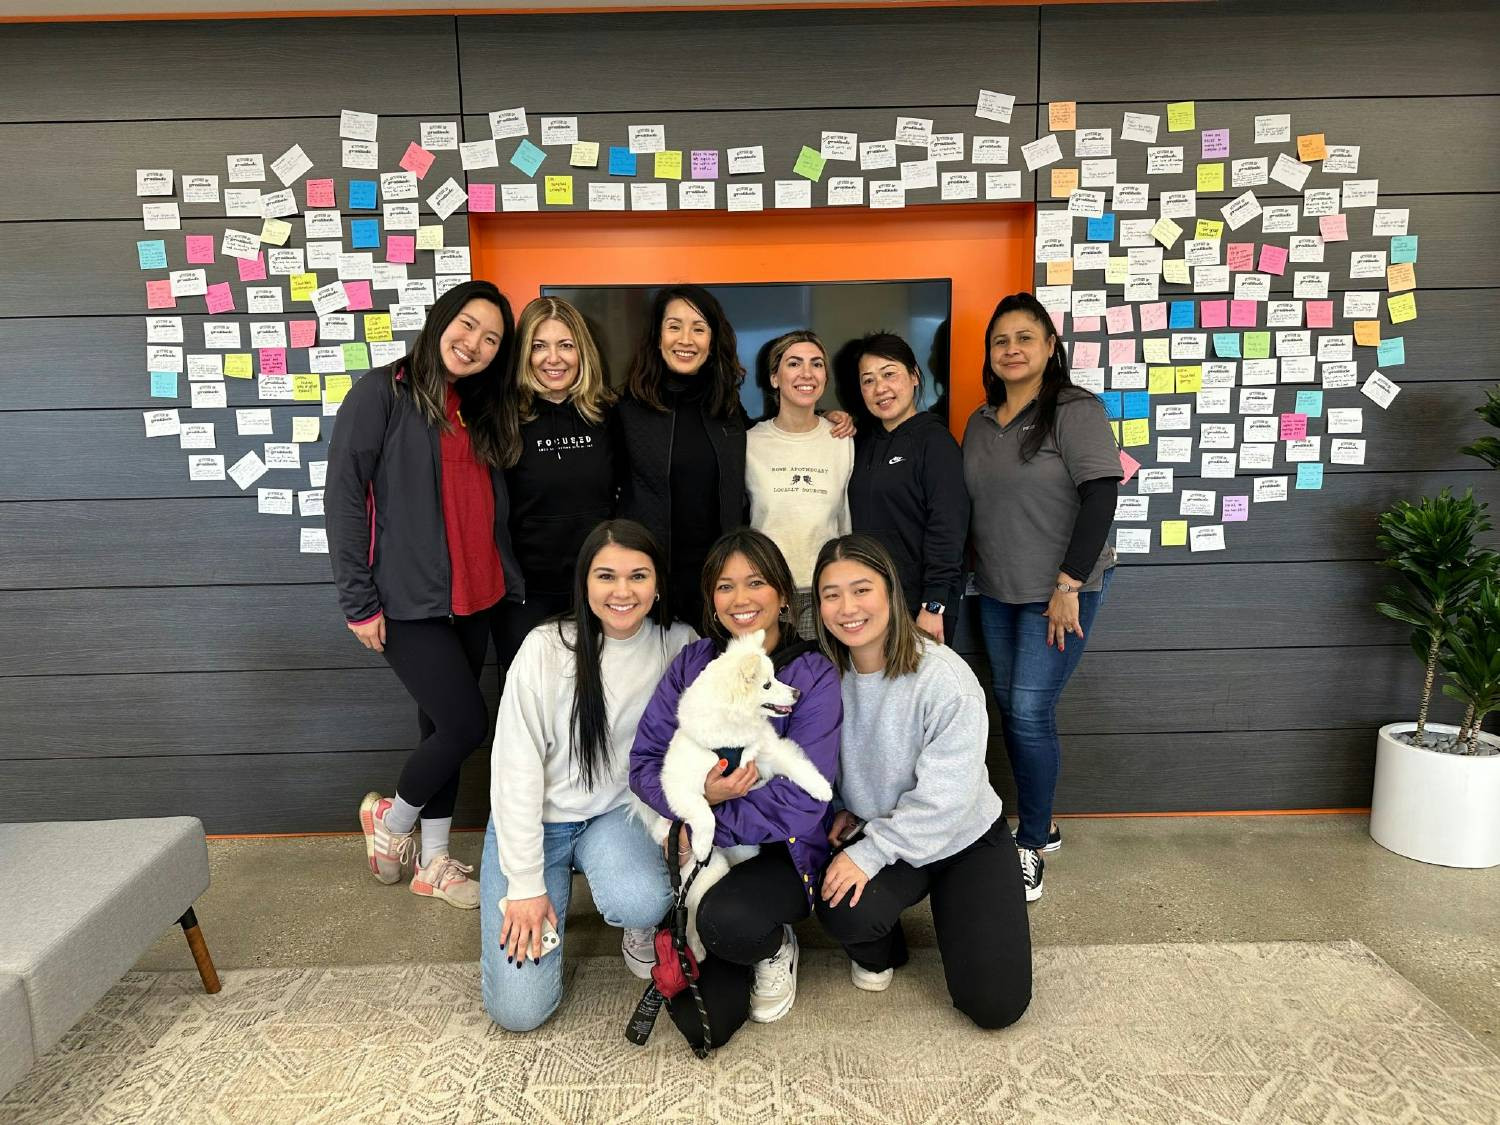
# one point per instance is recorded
(511, 621)
(978, 910)
(439, 661)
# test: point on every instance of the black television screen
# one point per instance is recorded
(840, 312)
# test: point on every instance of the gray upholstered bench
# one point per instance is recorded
(82, 900)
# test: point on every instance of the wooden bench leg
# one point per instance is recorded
(205, 963)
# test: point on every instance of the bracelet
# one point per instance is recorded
(1064, 588)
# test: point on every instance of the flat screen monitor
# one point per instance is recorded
(840, 312)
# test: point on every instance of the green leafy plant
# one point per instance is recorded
(1471, 661)
(1431, 544)
(1487, 449)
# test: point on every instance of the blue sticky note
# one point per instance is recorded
(1181, 315)
(1137, 404)
(361, 195)
(1112, 404)
(621, 161)
(1102, 228)
(364, 234)
(1227, 345)
(1392, 352)
(527, 157)
(152, 253)
(1403, 248)
(1310, 474)
(1310, 403)
(163, 384)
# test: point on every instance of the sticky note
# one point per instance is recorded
(1242, 314)
(417, 159)
(401, 248)
(1240, 257)
(1189, 379)
(1334, 228)
(364, 234)
(1153, 316)
(252, 269)
(159, 295)
(1310, 403)
(1122, 350)
(1293, 427)
(1060, 272)
(304, 333)
(306, 388)
(1212, 229)
(219, 298)
(584, 154)
(1137, 404)
(809, 163)
(430, 237)
(362, 195)
(704, 163)
(1084, 353)
(356, 357)
(1113, 407)
(335, 387)
(1398, 277)
(1135, 431)
(1273, 259)
(1181, 315)
(1211, 176)
(1120, 318)
(1215, 314)
(1101, 228)
(481, 197)
(1367, 333)
(1064, 182)
(1236, 509)
(1128, 465)
(1311, 146)
(1227, 345)
(358, 293)
(163, 384)
(527, 157)
(305, 427)
(1215, 143)
(275, 231)
(378, 327)
(1319, 314)
(1062, 116)
(621, 161)
(272, 361)
(1174, 532)
(1181, 116)
(1257, 345)
(1403, 248)
(303, 285)
(153, 253)
(668, 164)
(1392, 352)
(1402, 308)
(1161, 380)
(559, 191)
(1310, 474)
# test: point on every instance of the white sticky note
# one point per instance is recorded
(648, 197)
(310, 502)
(246, 168)
(914, 131)
(1273, 129)
(695, 195)
(994, 106)
(291, 165)
(313, 541)
(509, 123)
(161, 423)
(247, 470)
(989, 150)
(647, 138)
(559, 130)
(604, 197)
(1346, 451)
(1133, 540)
(1002, 185)
(846, 191)
(255, 420)
(839, 146)
(518, 197)
(746, 197)
(439, 136)
(196, 435)
(154, 181)
(447, 199)
(747, 160)
(478, 154)
(958, 186)
(358, 126)
(918, 174)
(1140, 127)
(273, 501)
(160, 216)
(1041, 152)
(886, 194)
(1208, 537)
(206, 466)
(1379, 390)
(793, 193)
(874, 155)
(209, 396)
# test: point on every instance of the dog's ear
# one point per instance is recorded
(749, 670)
(753, 642)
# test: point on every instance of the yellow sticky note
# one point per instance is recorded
(1157, 349)
(275, 231)
(1165, 231)
(306, 388)
(1367, 333)
(559, 191)
(378, 326)
(1189, 380)
(1135, 431)
(1401, 276)
(1062, 115)
(1064, 182)
(305, 428)
(1174, 533)
(1174, 271)
(1114, 428)
(1161, 380)
(585, 154)
(303, 285)
(237, 365)
(1117, 271)
(430, 237)
(1402, 307)
(1060, 272)
(669, 164)
(1209, 228)
(1211, 177)
(1182, 116)
(1311, 146)
(335, 387)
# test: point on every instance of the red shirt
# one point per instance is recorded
(469, 520)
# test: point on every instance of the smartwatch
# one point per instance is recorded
(935, 607)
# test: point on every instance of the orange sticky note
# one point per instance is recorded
(1062, 115)
(1367, 333)
(1311, 146)
(1060, 272)
(1400, 277)
(1064, 182)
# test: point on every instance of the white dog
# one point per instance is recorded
(729, 704)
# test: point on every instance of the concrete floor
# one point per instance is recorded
(311, 901)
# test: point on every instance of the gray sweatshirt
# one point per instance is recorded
(912, 761)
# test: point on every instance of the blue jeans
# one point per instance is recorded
(1028, 678)
(627, 876)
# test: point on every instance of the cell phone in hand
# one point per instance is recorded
(550, 940)
(851, 834)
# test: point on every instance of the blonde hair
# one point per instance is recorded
(589, 393)
(904, 642)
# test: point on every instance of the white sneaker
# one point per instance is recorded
(639, 950)
(775, 983)
(1031, 872)
(870, 981)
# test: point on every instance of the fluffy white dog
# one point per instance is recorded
(730, 704)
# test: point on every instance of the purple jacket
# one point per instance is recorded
(778, 810)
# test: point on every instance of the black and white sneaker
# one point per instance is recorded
(1054, 839)
(1031, 872)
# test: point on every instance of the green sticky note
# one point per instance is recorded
(809, 163)
(356, 357)
(1257, 345)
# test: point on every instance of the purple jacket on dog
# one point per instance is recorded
(778, 810)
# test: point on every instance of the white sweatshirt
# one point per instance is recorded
(798, 485)
(532, 777)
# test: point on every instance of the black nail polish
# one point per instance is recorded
(510, 960)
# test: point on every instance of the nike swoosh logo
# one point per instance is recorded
(895, 460)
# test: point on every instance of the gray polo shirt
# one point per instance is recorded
(1024, 511)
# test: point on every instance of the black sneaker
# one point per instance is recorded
(1031, 872)
(1054, 839)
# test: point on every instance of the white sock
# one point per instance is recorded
(401, 816)
(435, 838)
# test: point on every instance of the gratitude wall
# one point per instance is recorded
(171, 639)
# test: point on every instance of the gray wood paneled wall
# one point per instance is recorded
(168, 650)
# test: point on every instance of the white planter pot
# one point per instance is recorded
(1437, 808)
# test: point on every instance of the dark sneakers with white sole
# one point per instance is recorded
(1031, 872)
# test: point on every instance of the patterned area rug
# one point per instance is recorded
(1126, 1033)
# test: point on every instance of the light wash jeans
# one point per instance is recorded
(627, 876)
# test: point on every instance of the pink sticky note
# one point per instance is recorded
(1129, 464)
(1154, 317)
(1215, 143)
(400, 248)
(219, 298)
(481, 197)
(273, 361)
(304, 333)
(159, 295)
(1085, 353)
(1240, 257)
(1214, 314)
(1236, 509)
(1242, 314)
(1086, 324)
(200, 249)
(358, 293)
(252, 269)
(1273, 259)
(1059, 321)
(1334, 228)
(319, 193)
(417, 159)
(705, 163)
(1120, 318)
(1319, 314)
(1293, 427)
(1122, 351)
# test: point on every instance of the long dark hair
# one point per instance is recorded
(590, 718)
(480, 393)
(766, 559)
(1057, 383)
(722, 369)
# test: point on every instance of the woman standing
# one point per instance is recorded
(746, 918)
(559, 456)
(907, 489)
(919, 815)
(683, 430)
(797, 464)
(558, 801)
(1044, 471)
(418, 533)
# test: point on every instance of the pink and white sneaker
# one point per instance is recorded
(447, 879)
(389, 852)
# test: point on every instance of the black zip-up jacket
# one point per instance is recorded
(562, 486)
(383, 507)
(907, 490)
